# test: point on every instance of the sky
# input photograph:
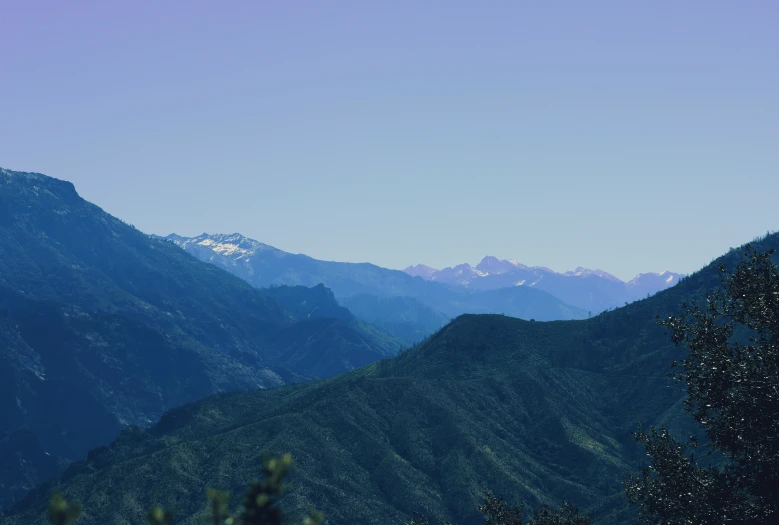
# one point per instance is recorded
(625, 136)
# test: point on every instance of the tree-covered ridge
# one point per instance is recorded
(541, 411)
(102, 326)
(378, 443)
(725, 371)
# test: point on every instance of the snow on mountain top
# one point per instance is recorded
(518, 264)
(466, 268)
(237, 246)
(221, 247)
(580, 272)
(491, 265)
(232, 244)
(460, 274)
(666, 276)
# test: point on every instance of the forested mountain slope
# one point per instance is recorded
(536, 411)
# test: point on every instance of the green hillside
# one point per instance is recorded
(536, 411)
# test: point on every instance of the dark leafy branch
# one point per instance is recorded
(731, 373)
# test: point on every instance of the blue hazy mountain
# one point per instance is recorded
(262, 265)
(591, 290)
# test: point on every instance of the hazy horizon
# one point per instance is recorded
(473, 262)
(622, 137)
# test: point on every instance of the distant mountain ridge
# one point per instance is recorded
(595, 290)
(417, 303)
(450, 291)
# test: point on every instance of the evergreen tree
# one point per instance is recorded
(496, 511)
(731, 373)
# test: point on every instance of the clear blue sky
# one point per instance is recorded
(627, 136)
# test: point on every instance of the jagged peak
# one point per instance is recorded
(492, 265)
(420, 270)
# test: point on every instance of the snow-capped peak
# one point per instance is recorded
(583, 272)
(232, 245)
(510, 272)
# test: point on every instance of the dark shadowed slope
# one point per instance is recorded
(536, 411)
(102, 326)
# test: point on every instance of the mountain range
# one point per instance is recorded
(539, 412)
(102, 326)
(106, 331)
(592, 290)
(402, 300)
(414, 303)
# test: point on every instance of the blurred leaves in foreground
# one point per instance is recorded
(261, 506)
(260, 503)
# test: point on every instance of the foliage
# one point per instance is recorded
(675, 489)
(565, 515)
(497, 512)
(732, 377)
(260, 503)
(158, 516)
(61, 512)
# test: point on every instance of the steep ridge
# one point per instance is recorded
(536, 411)
(262, 265)
(102, 326)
